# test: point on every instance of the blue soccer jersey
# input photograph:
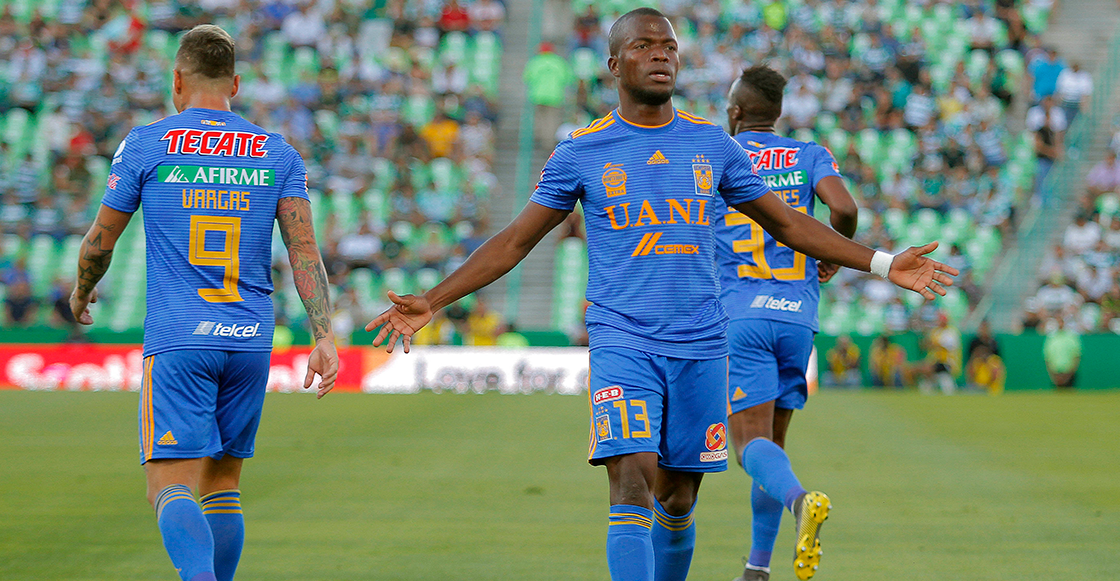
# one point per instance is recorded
(209, 182)
(650, 195)
(761, 278)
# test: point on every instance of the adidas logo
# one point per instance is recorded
(738, 395)
(167, 439)
(657, 159)
(176, 177)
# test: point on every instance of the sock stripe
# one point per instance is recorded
(675, 523)
(233, 493)
(222, 503)
(171, 494)
(223, 511)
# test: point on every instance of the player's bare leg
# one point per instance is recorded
(629, 544)
(766, 422)
(219, 489)
(186, 533)
(674, 531)
(640, 491)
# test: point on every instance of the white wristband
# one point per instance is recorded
(881, 263)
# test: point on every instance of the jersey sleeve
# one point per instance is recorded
(559, 187)
(295, 175)
(739, 182)
(122, 191)
(824, 165)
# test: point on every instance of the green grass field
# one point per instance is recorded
(432, 487)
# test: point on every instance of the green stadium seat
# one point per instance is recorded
(397, 280)
(426, 278)
(1036, 18)
(977, 64)
(868, 145)
(41, 257)
(327, 121)
(445, 175)
(826, 123)
(455, 47)
(365, 286)
(895, 221)
(569, 280)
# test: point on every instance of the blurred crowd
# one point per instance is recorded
(391, 103)
(914, 99)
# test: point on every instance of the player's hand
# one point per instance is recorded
(323, 361)
(825, 271)
(912, 270)
(407, 315)
(79, 306)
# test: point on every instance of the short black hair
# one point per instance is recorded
(206, 50)
(759, 94)
(614, 39)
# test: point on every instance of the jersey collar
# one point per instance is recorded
(648, 129)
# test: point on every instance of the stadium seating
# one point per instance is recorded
(862, 139)
(368, 64)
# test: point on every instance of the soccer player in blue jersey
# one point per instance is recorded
(770, 293)
(652, 180)
(211, 185)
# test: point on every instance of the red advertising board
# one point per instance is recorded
(83, 367)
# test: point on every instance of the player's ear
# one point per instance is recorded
(176, 82)
(612, 66)
(236, 86)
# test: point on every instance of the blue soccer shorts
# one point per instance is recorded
(649, 403)
(196, 403)
(767, 363)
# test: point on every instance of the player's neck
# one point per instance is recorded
(755, 127)
(646, 115)
(205, 101)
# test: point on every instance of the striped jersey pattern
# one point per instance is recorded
(650, 196)
(759, 277)
(208, 182)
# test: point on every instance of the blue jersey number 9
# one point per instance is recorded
(226, 257)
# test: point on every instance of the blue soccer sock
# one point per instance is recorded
(186, 534)
(223, 511)
(768, 464)
(673, 537)
(766, 516)
(629, 546)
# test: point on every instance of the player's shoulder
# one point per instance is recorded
(596, 130)
(691, 120)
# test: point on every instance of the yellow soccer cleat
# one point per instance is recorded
(810, 510)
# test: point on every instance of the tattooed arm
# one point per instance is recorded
(294, 216)
(93, 259)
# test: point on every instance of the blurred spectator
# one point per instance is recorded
(986, 370)
(21, 308)
(843, 364)
(512, 339)
(1037, 116)
(547, 78)
(1105, 175)
(943, 355)
(454, 17)
(1073, 89)
(1044, 71)
(888, 363)
(483, 326)
(1048, 150)
(441, 135)
(1062, 353)
(1082, 235)
(486, 15)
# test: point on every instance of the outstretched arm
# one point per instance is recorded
(294, 216)
(94, 256)
(910, 269)
(494, 258)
